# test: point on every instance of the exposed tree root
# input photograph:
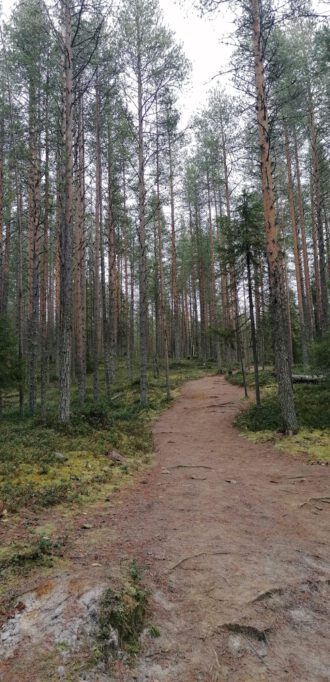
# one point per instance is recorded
(247, 631)
(220, 404)
(195, 556)
(190, 466)
(268, 594)
(325, 500)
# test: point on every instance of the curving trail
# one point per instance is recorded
(234, 538)
(237, 544)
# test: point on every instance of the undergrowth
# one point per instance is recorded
(22, 557)
(43, 463)
(121, 617)
(313, 409)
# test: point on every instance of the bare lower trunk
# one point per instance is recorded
(96, 302)
(2, 307)
(44, 279)
(79, 261)
(34, 247)
(308, 289)
(253, 329)
(142, 248)
(112, 317)
(318, 224)
(65, 313)
(174, 288)
(280, 340)
(296, 250)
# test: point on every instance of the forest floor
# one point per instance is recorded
(233, 540)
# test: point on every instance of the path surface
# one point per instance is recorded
(234, 538)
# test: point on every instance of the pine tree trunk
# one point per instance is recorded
(231, 290)
(34, 222)
(79, 261)
(44, 272)
(112, 317)
(142, 246)
(2, 307)
(66, 226)
(126, 285)
(98, 200)
(317, 276)
(317, 209)
(161, 348)
(296, 250)
(105, 313)
(213, 320)
(174, 288)
(308, 289)
(253, 329)
(285, 390)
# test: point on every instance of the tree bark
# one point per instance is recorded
(317, 209)
(308, 289)
(44, 270)
(296, 249)
(34, 222)
(285, 390)
(66, 226)
(174, 288)
(142, 244)
(253, 328)
(98, 200)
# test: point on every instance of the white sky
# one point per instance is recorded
(200, 38)
(203, 40)
(204, 43)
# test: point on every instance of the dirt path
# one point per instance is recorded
(234, 538)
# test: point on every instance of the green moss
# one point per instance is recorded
(266, 378)
(44, 463)
(154, 632)
(39, 552)
(313, 408)
(121, 617)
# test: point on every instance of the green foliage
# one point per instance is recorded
(250, 234)
(266, 378)
(10, 366)
(121, 617)
(154, 632)
(135, 571)
(308, 399)
(39, 552)
(264, 423)
(44, 463)
(320, 354)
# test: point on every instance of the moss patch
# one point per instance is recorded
(121, 618)
(38, 553)
(43, 463)
(313, 409)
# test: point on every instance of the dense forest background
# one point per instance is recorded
(128, 238)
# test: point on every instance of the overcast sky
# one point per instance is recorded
(203, 40)
(204, 43)
(200, 38)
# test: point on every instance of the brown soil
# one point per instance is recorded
(234, 539)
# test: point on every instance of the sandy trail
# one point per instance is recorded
(234, 538)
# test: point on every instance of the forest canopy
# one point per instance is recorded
(125, 236)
